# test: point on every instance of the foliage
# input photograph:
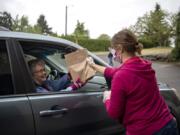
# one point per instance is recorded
(68, 37)
(35, 29)
(21, 24)
(95, 44)
(147, 43)
(42, 24)
(104, 37)
(91, 44)
(176, 51)
(160, 27)
(80, 31)
(6, 20)
(172, 20)
(156, 27)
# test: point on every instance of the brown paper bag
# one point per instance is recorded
(78, 66)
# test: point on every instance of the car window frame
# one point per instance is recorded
(18, 78)
(56, 45)
(23, 74)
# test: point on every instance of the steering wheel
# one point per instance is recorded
(53, 75)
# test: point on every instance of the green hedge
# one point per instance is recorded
(147, 43)
(97, 45)
(94, 45)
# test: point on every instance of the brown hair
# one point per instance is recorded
(127, 40)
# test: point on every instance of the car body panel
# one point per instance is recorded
(83, 113)
(16, 116)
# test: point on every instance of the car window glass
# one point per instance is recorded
(58, 59)
(6, 86)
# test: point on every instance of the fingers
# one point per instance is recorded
(90, 61)
(77, 84)
(106, 95)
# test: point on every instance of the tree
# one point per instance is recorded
(176, 51)
(6, 20)
(104, 37)
(154, 27)
(172, 21)
(24, 23)
(42, 24)
(141, 27)
(34, 29)
(159, 26)
(21, 24)
(16, 23)
(80, 31)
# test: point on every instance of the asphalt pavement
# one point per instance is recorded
(168, 73)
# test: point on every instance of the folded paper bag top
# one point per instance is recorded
(78, 66)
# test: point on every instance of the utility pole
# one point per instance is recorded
(66, 19)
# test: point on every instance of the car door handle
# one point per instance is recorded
(47, 113)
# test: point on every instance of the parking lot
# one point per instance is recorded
(168, 73)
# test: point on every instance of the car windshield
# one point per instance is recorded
(57, 59)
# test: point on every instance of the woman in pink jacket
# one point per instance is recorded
(134, 98)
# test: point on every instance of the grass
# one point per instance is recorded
(149, 51)
(100, 53)
(157, 50)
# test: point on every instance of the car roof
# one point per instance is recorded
(30, 36)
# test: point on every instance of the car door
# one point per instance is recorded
(70, 113)
(74, 112)
(16, 115)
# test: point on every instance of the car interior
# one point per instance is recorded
(54, 58)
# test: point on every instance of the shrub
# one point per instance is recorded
(94, 45)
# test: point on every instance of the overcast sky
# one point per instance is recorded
(98, 16)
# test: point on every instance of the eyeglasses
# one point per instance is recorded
(41, 70)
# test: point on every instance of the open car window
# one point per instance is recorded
(54, 57)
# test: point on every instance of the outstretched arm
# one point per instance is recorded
(99, 68)
(96, 67)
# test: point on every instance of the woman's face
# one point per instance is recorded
(39, 74)
(118, 54)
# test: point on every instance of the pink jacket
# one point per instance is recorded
(135, 98)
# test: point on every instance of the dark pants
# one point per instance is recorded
(169, 129)
(110, 61)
